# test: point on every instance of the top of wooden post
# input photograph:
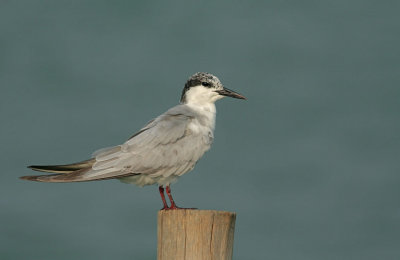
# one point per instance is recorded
(195, 234)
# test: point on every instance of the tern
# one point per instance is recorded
(163, 150)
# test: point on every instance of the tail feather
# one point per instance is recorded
(62, 173)
(36, 177)
(75, 176)
(76, 172)
(67, 168)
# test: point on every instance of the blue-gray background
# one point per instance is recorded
(309, 162)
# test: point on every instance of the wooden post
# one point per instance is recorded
(187, 234)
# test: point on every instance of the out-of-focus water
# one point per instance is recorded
(309, 162)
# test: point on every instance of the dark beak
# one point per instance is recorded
(230, 93)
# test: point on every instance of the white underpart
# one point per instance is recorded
(167, 147)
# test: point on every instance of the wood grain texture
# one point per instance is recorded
(195, 234)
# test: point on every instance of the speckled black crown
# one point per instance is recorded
(201, 78)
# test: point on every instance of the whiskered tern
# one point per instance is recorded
(163, 150)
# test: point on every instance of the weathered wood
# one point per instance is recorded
(195, 234)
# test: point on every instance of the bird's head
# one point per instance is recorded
(202, 88)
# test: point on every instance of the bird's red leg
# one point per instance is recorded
(161, 190)
(173, 205)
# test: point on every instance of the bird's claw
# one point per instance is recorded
(175, 207)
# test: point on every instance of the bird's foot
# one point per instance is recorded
(176, 207)
(173, 205)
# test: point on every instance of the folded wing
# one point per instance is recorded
(165, 146)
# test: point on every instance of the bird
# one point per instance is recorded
(159, 153)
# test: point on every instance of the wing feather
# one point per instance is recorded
(165, 146)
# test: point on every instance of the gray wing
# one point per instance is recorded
(165, 146)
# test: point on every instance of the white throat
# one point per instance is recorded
(201, 96)
(202, 100)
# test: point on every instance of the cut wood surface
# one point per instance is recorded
(195, 234)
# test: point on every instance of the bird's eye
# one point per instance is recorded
(205, 84)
